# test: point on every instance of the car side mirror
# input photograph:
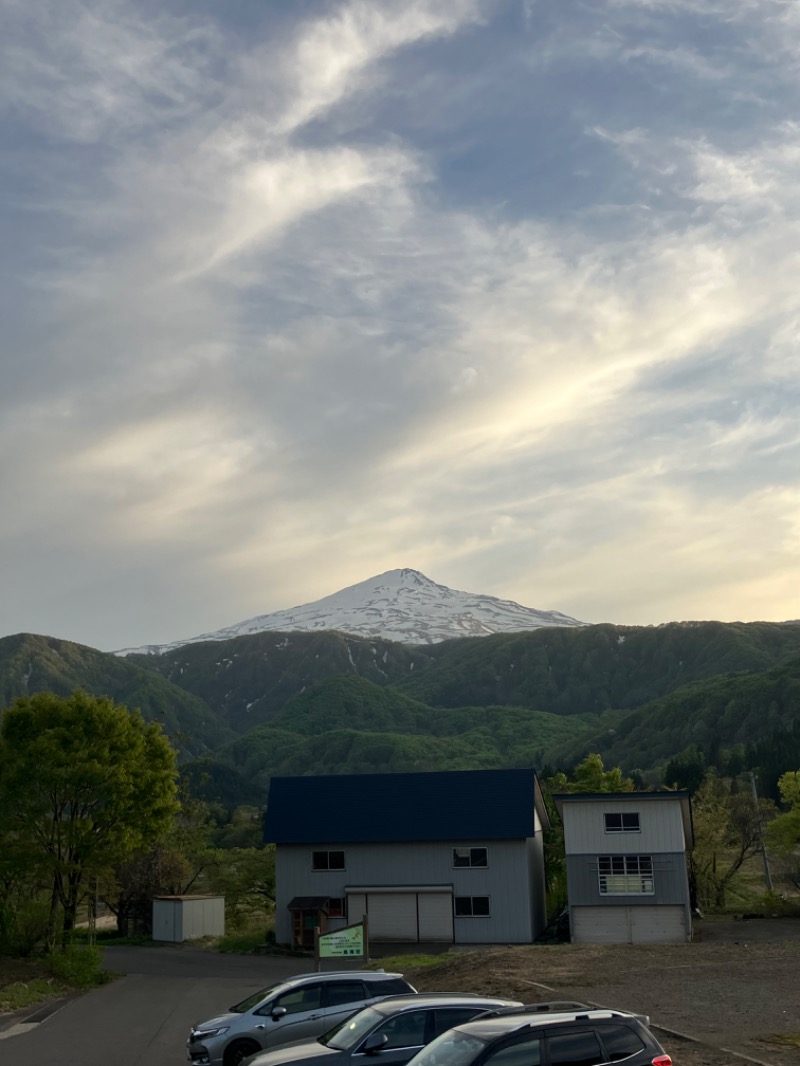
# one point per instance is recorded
(278, 1013)
(374, 1042)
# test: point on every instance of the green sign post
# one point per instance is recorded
(351, 942)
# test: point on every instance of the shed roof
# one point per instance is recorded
(457, 805)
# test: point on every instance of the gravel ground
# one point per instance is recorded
(735, 989)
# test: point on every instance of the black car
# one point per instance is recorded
(571, 1038)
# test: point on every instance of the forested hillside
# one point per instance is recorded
(737, 721)
(294, 703)
(349, 725)
(574, 671)
(30, 664)
(249, 679)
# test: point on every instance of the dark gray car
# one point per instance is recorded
(580, 1037)
(393, 1030)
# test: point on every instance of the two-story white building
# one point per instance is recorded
(454, 857)
(627, 874)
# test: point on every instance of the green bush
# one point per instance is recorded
(23, 928)
(78, 967)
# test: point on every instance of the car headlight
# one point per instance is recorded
(204, 1034)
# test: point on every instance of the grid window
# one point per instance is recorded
(327, 860)
(622, 823)
(470, 857)
(471, 906)
(625, 875)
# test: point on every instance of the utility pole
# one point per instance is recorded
(767, 875)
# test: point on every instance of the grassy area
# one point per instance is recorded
(243, 941)
(28, 982)
(20, 994)
(400, 963)
(785, 1039)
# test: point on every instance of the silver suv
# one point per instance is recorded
(298, 1009)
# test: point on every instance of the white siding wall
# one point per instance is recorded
(660, 820)
(509, 881)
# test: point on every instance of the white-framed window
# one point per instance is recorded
(327, 860)
(625, 822)
(470, 857)
(625, 875)
(471, 906)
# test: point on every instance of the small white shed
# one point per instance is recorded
(179, 918)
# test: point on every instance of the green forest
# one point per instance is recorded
(653, 700)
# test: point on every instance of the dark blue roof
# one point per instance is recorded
(458, 805)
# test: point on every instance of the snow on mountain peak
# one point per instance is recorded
(402, 605)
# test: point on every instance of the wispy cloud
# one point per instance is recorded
(273, 327)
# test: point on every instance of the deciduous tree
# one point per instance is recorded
(83, 784)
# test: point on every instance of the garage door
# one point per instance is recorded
(629, 925)
(658, 925)
(412, 915)
(600, 925)
(435, 911)
(392, 915)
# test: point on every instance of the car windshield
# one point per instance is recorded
(450, 1049)
(348, 1033)
(252, 1001)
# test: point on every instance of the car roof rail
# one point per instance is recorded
(555, 1006)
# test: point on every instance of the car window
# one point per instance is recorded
(522, 1053)
(620, 1041)
(352, 1030)
(390, 986)
(252, 1001)
(405, 1030)
(339, 992)
(299, 1000)
(450, 1049)
(580, 1048)
(447, 1017)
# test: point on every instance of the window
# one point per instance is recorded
(463, 857)
(622, 823)
(297, 1001)
(449, 1017)
(345, 992)
(337, 907)
(578, 1049)
(327, 860)
(630, 875)
(406, 1030)
(471, 906)
(620, 1042)
(388, 986)
(521, 1053)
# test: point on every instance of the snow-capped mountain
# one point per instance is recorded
(401, 605)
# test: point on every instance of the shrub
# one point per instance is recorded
(79, 967)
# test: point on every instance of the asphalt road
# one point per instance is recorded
(143, 1018)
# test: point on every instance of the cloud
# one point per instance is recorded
(274, 328)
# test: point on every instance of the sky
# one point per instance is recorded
(294, 293)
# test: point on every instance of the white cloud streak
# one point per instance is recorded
(280, 352)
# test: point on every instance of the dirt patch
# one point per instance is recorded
(737, 994)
